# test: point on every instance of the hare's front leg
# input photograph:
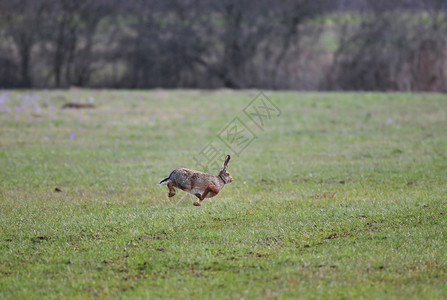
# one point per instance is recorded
(203, 196)
(171, 189)
(200, 200)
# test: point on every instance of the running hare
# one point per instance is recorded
(199, 184)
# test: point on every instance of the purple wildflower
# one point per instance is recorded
(3, 98)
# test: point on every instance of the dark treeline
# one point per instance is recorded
(269, 44)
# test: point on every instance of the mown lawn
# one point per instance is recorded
(340, 195)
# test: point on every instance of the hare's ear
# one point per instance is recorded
(227, 160)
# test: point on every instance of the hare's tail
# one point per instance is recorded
(166, 180)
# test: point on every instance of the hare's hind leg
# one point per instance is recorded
(171, 189)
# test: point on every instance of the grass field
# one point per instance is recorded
(343, 195)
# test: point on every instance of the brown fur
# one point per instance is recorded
(202, 185)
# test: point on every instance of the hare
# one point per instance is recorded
(199, 184)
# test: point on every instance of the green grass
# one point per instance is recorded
(341, 196)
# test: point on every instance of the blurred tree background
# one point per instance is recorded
(381, 45)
